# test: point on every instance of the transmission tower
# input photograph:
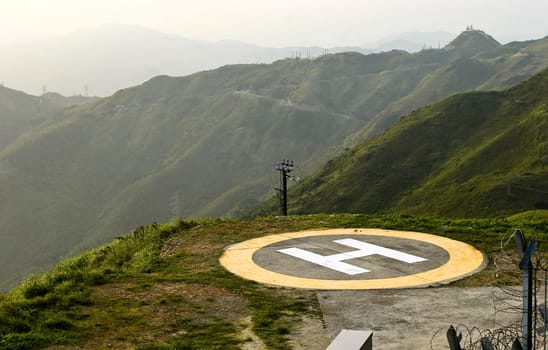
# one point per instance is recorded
(285, 168)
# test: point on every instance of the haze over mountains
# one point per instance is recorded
(102, 60)
(412, 41)
(205, 144)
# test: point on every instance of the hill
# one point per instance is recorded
(473, 154)
(204, 145)
(473, 41)
(472, 61)
(21, 113)
(162, 287)
(67, 101)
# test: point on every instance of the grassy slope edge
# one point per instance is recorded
(162, 287)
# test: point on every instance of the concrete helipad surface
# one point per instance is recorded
(352, 259)
(418, 319)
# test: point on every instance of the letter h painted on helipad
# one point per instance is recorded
(335, 261)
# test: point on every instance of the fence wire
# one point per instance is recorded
(508, 299)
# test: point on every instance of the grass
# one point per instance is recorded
(534, 217)
(162, 287)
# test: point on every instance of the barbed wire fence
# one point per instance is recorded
(508, 300)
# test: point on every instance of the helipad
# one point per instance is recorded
(352, 259)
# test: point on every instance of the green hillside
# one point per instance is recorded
(20, 113)
(204, 145)
(473, 41)
(67, 101)
(475, 154)
(477, 62)
(162, 287)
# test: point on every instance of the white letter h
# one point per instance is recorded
(335, 261)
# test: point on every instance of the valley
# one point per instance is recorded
(204, 145)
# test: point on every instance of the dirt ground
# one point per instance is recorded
(417, 319)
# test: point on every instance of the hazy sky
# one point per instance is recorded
(278, 22)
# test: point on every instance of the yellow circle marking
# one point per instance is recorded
(463, 260)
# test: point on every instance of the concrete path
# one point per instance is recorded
(416, 319)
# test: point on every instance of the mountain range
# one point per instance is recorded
(411, 41)
(99, 61)
(80, 172)
(475, 154)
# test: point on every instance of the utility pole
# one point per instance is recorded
(285, 168)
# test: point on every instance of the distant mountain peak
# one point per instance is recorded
(473, 40)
